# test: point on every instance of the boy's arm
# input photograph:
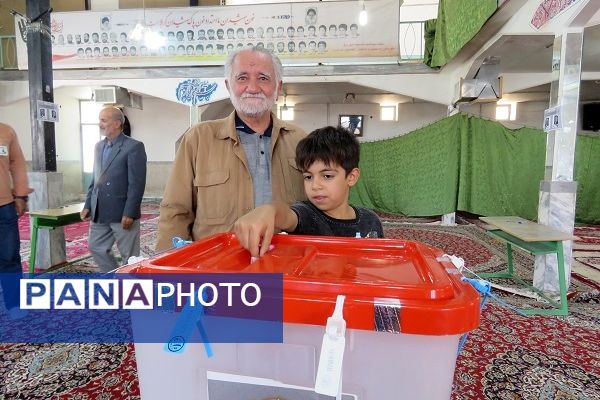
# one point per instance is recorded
(255, 229)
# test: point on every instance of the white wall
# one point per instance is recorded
(16, 115)
(67, 131)
(529, 114)
(411, 116)
(418, 10)
(67, 137)
(159, 125)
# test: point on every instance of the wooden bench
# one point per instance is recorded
(537, 240)
(49, 219)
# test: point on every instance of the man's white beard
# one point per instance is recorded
(253, 109)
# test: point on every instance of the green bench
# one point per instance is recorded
(49, 219)
(537, 240)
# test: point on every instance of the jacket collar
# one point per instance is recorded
(279, 126)
(242, 126)
(118, 140)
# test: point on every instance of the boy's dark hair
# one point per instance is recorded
(331, 146)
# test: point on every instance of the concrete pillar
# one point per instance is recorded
(450, 218)
(48, 193)
(195, 114)
(558, 189)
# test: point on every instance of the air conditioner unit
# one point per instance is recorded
(482, 84)
(117, 96)
(479, 90)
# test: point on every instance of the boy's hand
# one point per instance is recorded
(255, 229)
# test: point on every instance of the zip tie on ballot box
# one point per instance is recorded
(484, 288)
(329, 372)
(179, 242)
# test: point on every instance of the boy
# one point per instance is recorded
(329, 159)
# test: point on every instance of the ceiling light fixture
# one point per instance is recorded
(141, 32)
(363, 17)
(284, 107)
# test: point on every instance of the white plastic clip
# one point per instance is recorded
(458, 262)
(135, 259)
(329, 373)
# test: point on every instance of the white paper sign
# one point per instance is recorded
(298, 33)
(552, 119)
(47, 111)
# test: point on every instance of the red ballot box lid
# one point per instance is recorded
(390, 285)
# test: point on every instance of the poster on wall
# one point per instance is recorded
(548, 10)
(299, 33)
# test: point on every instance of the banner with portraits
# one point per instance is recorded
(299, 33)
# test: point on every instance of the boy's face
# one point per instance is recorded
(328, 186)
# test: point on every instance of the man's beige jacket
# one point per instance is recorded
(210, 185)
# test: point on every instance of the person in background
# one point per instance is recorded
(225, 168)
(270, 32)
(332, 31)
(311, 16)
(114, 198)
(14, 192)
(328, 158)
(105, 22)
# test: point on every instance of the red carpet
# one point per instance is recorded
(76, 235)
(507, 357)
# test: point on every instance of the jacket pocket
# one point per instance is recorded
(214, 197)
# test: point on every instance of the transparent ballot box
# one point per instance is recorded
(405, 309)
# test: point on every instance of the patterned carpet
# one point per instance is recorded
(508, 357)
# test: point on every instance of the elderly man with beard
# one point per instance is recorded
(224, 168)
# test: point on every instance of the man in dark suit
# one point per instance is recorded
(114, 198)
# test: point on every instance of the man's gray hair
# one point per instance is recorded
(117, 114)
(274, 60)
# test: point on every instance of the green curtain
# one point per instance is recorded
(429, 37)
(458, 21)
(469, 164)
(587, 171)
(500, 169)
(415, 174)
